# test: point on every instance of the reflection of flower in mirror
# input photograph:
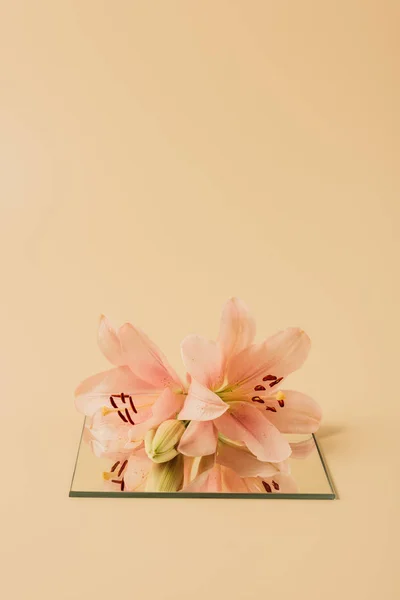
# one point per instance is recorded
(223, 430)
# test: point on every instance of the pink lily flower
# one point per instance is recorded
(138, 473)
(235, 469)
(223, 479)
(234, 389)
(141, 391)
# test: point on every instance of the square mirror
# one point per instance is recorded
(304, 476)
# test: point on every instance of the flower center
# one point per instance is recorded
(115, 473)
(268, 488)
(123, 405)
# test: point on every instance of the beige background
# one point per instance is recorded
(157, 158)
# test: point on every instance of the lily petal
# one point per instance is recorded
(278, 484)
(137, 470)
(203, 360)
(167, 405)
(199, 439)
(207, 481)
(277, 357)
(109, 342)
(145, 359)
(243, 462)
(94, 392)
(232, 482)
(300, 413)
(243, 424)
(201, 404)
(303, 449)
(106, 436)
(237, 328)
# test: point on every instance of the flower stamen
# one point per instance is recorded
(275, 382)
(267, 487)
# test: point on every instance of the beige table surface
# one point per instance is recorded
(157, 158)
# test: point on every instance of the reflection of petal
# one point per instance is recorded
(278, 484)
(208, 478)
(231, 482)
(303, 449)
(137, 470)
(243, 462)
(199, 439)
(245, 423)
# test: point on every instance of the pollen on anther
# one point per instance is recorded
(281, 403)
(275, 382)
(122, 468)
(128, 416)
(276, 486)
(113, 403)
(267, 487)
(259, 388)
(271, 408)
(269, 378)
(125, 420)
(258, 399)
(115, 465)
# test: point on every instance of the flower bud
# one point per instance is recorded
(166, 476)
(160, 444)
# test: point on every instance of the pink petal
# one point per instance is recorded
(278, 356)
(199, 439)
(203, 360)
(166, 406)
(109, 342)
(201, 404)
(243, 462)
(208, 481)
(145, 359)
(300, 413)
(237, 328)
(280, 484)
(94, 392)
(232, 483)
(137, 470)
(106, 436)
(188, 462)
(245, 423)
(303, 449)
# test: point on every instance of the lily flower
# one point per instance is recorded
(233, 468)
(138, 473)
(218, 479)
(234, 388)
(142, 389)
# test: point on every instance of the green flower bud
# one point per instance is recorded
(160, 444)
(166, 476)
